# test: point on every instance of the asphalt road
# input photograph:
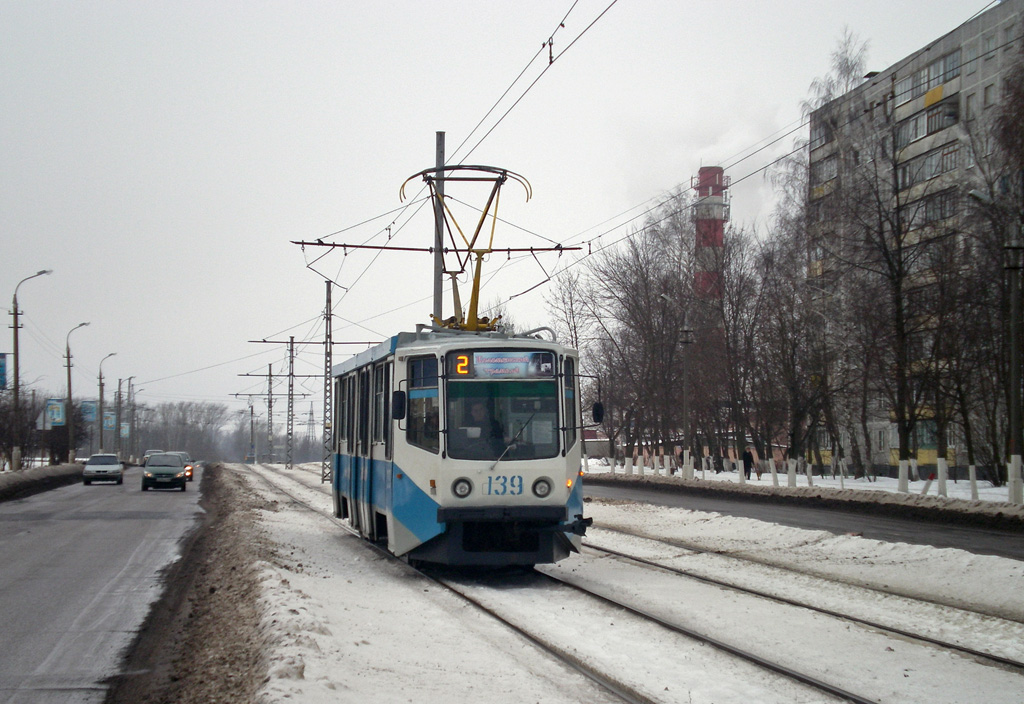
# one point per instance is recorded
(981, 541)
(79, 569)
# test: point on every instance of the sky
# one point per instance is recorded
(161, 158)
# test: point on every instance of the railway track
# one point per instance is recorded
(954, 614)
(618, 687)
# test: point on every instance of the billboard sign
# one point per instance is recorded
(89, 411)
(109, 420)
(125, 431)
(3, 371)
(54, 414)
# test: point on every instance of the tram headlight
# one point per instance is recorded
(542, 488)
(462, 488)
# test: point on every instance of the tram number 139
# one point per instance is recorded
(502, 485)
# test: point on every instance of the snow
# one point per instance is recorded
(344, 623)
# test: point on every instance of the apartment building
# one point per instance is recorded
(897, 155)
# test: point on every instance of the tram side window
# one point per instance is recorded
(382, 405)
(570, 403)
(423, 404)
(350, 414)
(364, 412)
(340, 414)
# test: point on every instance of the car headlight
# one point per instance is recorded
(179, 475)
(462, 488)
(542, 488)
(149, 475)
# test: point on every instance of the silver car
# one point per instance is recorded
(103, 468)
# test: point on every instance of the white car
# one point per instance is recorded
(103, 468)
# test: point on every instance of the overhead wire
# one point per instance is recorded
(733, 161)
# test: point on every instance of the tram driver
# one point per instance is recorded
(489, 438)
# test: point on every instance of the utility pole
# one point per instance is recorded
(270, 404)
(270, 414)
(131, 418)
(117, 420)
(252, 432)
(439, 226)
(291, 402)
(326, 466)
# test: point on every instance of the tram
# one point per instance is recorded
(461, 449)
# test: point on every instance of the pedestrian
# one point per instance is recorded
(748, 461)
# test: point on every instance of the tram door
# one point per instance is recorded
(363, 466)
(379, 489)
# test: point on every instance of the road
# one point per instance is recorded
(981, 541)
(81, 566)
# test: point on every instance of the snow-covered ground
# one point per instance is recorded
(345, 624)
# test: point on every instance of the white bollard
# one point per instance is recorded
(791, 473)
(972, 477)
(927, 486)
(775, 473)
(1013, 480)
(628, 467)
(942, 469)
(902, 485)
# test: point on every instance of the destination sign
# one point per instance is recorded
(501, 364)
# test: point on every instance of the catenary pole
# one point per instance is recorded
(439, 227)
(326, 465)
(290, 423)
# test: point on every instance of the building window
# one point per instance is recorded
(942, 116)
(1008, 36)
(989, 96)
(928, 166)
(910, 130)
(972, 59)
(971, 106)
(934, 74)
(821, 133)
(904, 90)
(988, 45)
(824, 170)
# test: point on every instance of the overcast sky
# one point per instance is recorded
(160, 157)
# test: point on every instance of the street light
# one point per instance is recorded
(16, 453)
(101, 397)
(128, 382)
(69, 416)
(133, 446)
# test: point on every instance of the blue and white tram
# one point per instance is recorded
(461, 448)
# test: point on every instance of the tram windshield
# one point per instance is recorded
(502, 405)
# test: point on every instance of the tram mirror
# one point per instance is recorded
(398, 405)
(598, 412)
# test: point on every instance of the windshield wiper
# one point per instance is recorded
(513, 441)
